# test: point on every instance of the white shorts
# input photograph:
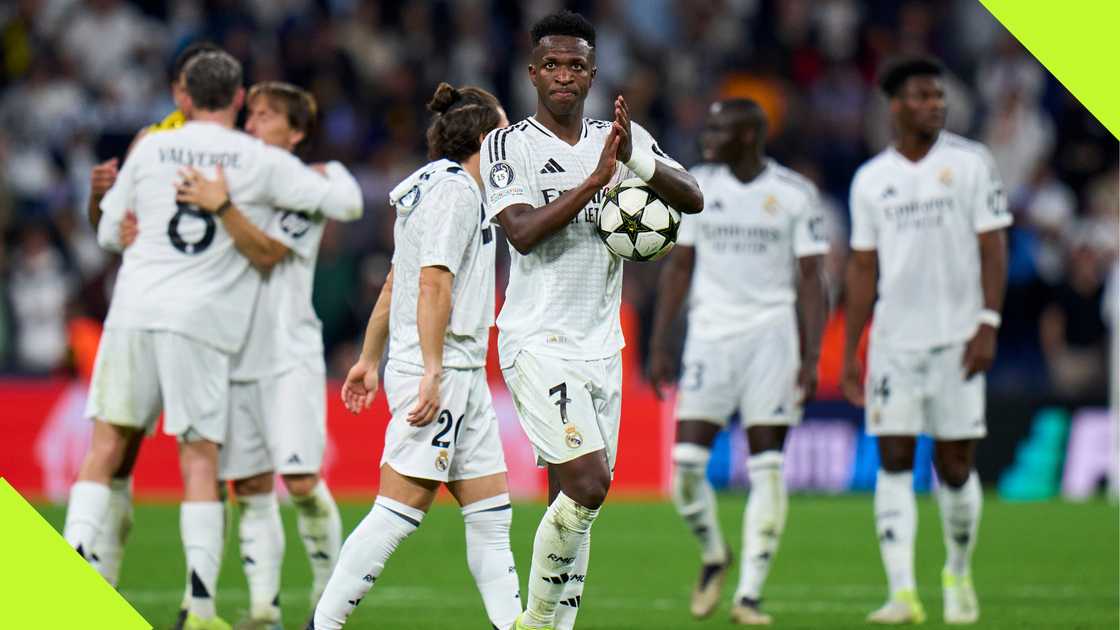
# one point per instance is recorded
(277, 424)
(567, 408)
(139, 373)
(463, 441)
(923, 391)
(754, 374)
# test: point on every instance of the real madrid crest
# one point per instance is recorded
(945, 176)
(442, 461)
(770, 205)
(573, 437)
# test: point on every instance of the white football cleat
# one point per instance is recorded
(745, 612)
(709, 588)
(961, 606)
(902, 608)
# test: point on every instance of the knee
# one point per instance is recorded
(301, 485)
(258, 484)
(590, 491)
(954, 473)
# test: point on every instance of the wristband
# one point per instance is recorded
(642, 164)
(989, 317)
(226, 205)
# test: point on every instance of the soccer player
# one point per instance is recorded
(743, 351)
(181, 308)
(435, 310)
(559, 333)
(278, 389)
(928, 220)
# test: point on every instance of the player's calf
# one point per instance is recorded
(490, 559)
(560, 536)
(319, 524)
(201, 524)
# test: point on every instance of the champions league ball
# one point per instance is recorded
(636, 224)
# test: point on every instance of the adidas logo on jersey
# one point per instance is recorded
(552, 167)
(294, 459)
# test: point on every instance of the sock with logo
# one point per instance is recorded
(695, 500)
(320, 527)
(896, 522)
(572, 595)
(565, 528)
(362, 559)
(763, 522)
(200, 525)
(960, 520)
(490, 558)
(109, 545)
(85, 514)
(262, 553)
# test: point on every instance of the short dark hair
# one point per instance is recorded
(212, 79)
(193, 49)
(895, 73)
(296, 103)
(567, 23)
(748, 108)
(460, 116)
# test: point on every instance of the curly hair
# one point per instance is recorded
(566, 23)
(460, 117)
(896, 72)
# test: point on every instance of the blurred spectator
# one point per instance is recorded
(39, 288)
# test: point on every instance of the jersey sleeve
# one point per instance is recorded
(449, 217)
(865, 233)
(504, 165)
(295, 230)
(119, 198)
(644, 141)
(810, 232)
(294, 185)
(989, 202)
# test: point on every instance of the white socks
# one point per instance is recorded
(763, 522)
(490, 559)
(960, 520)
(201, 524)
(109, 546)
(362, 559)
(572, 595)
(262, 553)
(695, 500)
(85, 514)
(562, 532)
(896, 522)
(320, 527)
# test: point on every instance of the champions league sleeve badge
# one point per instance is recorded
(501, 175)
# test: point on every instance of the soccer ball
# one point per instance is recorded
(636, 224)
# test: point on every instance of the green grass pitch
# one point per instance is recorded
(1039, 565)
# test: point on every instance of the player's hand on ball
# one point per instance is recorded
(207, 194)
(102, 177)
(660, 371)
(427, 403)
(807, 380)
(360, 386)
(622, 118)
(129, 228)
(608, 159)
(851, 383)
(980, 352)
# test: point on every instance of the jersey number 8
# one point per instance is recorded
(177, 239)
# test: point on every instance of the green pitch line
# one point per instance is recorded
(1038, 565)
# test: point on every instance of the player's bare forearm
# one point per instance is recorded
(812, 303)
(93, 212)
(993, 268)
(678, 188)
(526, 226)
(262, 251)
(859, 286)
(433, 310)
(377, 330)
(672, 288)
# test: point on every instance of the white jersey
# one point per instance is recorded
(922, 218)
(183, 273)
(563, 297)
(285, 331)
(440, 223)
(747, 241)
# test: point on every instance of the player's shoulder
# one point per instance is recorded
(708, 173)
(500, 143)
(963, 147)
(873, 170)
(791, 181)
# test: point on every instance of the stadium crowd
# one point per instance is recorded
(78, 78)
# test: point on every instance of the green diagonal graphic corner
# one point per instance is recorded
(45, 584)
(1078, 42)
